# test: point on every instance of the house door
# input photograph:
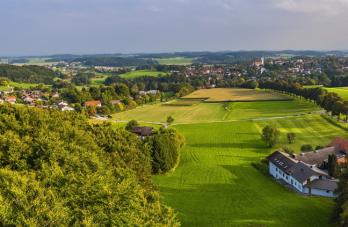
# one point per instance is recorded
(309, 190)
(292, 181)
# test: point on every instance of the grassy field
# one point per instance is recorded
(98, 81)
(176, 61)
(215, 184)
(169, 94)
(236, 94)
(204, 112)
(39, 61)
(146, 72)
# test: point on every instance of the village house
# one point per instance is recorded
(113, 102)
(307, 172)
(1, 101)
(55, 95)
(62, 105)
(11, 99)
(142, 132)
(95, 103)
(7, 91)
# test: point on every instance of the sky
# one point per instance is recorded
(45, 27)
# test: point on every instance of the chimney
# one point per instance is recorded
(294, 156)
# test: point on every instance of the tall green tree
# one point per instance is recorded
(131, 124)
(290, 136)
(270, 134)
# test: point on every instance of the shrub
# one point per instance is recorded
(306, 148)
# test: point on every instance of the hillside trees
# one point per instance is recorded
(58, 170)
(27, 74)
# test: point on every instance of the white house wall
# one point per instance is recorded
(319, 192)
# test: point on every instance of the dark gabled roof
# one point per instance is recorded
(281, 160)
(324, 184)
(342, 143)
(316, 157)
(142, 131)
(300, 172)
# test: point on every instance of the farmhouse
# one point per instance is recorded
(142, 132)
(302, 172)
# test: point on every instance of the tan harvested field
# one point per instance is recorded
(235, 94)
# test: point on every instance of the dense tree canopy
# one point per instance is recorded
(58, 170)
(27, 73)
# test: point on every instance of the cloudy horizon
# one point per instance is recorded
(47, 27)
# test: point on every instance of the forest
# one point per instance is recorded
(57, 169)
(27, 74)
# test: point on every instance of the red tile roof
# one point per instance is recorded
(92, 103)
(342, 143)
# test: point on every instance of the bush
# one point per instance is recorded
(166, 150)
(306, 148)
(319, 147)
(288, 150)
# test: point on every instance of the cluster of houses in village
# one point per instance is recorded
(307, 172)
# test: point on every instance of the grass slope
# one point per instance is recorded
(215, 184)
(176, 61)
(204, 112)
(146, 72)
(236, 94)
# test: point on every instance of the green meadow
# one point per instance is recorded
(176, 61)
(216, 185)
(205, 112)
(145, 72)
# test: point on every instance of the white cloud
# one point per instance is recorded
(331, 7)
(225, 6)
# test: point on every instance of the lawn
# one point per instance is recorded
(176, 61)
(205, 112)
(236, 94)
(98, 81)
(216, 185)
(145, 72)
(169, 94)
(342, 91)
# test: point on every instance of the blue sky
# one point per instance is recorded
(39, 27)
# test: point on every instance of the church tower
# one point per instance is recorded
(262, 60)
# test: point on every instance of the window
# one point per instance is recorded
(283, 174)
(327, 191)
(320, 177)
(286, 177)
(295, 183)
(276, 169)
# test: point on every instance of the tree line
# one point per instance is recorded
(331, 102)
(57, 169)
